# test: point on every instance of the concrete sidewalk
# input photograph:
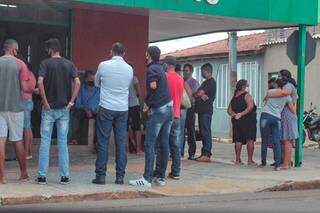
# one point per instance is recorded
(220, 176)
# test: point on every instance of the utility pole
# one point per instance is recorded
(233, 38)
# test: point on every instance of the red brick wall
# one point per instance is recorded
(93, 33)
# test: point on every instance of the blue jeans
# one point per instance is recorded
(183, 116)
(106, 119)
(174, 148)
(48, 117)
(157, 128)
(205, 131)
(268, 124)
(28, 107)
(175, 144)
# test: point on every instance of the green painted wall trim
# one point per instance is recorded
(288, 11)
(319, 11)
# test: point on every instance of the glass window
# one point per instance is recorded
(223, 85)
(251, 72)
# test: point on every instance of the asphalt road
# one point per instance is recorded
(298, 201)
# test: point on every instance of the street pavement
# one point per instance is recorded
(271, 202)
(197, 179)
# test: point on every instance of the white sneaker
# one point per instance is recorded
(160, 181)
(140, 182)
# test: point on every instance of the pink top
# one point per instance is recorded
(32, 83)
(23, 70)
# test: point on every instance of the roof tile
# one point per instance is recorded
(248, 43)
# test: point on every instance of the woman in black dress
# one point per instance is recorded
(242, 109)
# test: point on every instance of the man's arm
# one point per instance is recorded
(152, 78)
(97, 80)
(137, 88)
(43, 93)
(75, 91)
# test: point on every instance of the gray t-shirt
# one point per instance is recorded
(274, 106)
(133, 99)
(12, 71)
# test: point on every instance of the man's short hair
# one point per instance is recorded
(53, 44)
(177, 68)
(154, 53)
(9, 43)
(189, 66)
(118, 48)
(87, 73)
(170, 60)
(207, 67)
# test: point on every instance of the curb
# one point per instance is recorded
(76, 198)
(294, 186)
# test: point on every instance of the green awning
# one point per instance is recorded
(288, 11)
(170, 19)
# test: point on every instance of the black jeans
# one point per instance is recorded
(78, 116)
(191, 131)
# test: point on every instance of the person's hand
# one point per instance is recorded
(200, 93)
(266, 98)
(238, 116)
(69, 106)
(46, 105)
(145, 108)
(88, 113)
(204, 97)
(36, 91)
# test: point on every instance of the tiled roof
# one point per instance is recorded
(246, 44)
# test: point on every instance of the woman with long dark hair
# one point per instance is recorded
(242, 109)
(289, 119)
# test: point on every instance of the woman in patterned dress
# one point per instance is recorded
(289, 120)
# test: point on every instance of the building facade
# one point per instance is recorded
(275, 59)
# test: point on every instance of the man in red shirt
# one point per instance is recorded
(176, 87)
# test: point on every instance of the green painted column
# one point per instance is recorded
(301, 79)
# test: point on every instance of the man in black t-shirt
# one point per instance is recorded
(56, 76)
(205, 97)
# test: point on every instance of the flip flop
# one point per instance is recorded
(238, 163)
(252, 164)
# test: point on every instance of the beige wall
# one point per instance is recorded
(276, 59)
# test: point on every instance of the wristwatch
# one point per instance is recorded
(71, 103)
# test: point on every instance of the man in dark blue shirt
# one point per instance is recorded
(86, 104)
(159, 106)
(205, 97)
